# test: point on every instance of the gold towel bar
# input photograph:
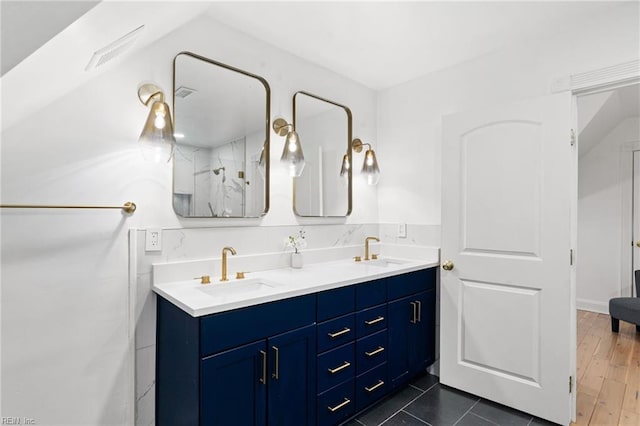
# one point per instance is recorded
(128, 207)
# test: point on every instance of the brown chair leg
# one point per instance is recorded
(615, 325)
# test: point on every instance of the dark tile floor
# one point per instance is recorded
(427, 402)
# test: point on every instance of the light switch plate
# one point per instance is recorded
(153, 239)
(402, 230)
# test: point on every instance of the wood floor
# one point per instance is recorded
(608, 372)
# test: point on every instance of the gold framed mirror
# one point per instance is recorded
(325, 131)
(221, 126)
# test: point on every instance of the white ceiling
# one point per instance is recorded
(382, 44)
(379, 44)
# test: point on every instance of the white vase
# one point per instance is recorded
(297, 260)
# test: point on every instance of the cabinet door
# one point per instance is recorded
(422, 333)
(411, 336)
(400, 319)
(233, 391)
(292, 378)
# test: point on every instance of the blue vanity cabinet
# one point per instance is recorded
(253, 365)
(411, 325)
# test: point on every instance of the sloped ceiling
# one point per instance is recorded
(23, 29)
(600, 113)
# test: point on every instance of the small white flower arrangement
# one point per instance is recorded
(297, 241)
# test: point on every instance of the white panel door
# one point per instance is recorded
(506, 228)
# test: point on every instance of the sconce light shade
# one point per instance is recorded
(370, 167)
(156, 140)
(292, 152)
(346, 165)
(262, 163)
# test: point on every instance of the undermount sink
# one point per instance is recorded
(383, 263)
(235, 288)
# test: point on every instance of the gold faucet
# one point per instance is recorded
(224, 262)
(366, 246)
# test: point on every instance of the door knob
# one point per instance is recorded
(448, 265)
(638, 243)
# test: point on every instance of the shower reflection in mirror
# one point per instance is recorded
(221, 162)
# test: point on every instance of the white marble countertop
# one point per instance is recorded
(270, 285)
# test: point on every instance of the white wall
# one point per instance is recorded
(66, 332)
(409, 115)
(604, 194)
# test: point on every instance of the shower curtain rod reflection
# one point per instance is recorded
(128, 207)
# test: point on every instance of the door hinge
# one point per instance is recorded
(573, 137)
(571, 257)
(570, 384)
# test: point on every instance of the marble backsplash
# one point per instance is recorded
(203, 243)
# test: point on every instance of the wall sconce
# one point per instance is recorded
(370, 165)
(292, 152)
(156, 140)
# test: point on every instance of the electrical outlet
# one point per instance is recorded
(402, 230)
(153, 239)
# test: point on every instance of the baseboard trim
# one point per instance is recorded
(593, 306)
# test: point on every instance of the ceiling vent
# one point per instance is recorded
(183, 92)
(116, 48)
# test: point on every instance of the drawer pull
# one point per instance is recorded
(375, 352)
(339, 333)
(419, 303)
(346, 402)
(276, 373)
(374, 321)
(342, 367)
(414, 320)
(263, 379)
(374, 387)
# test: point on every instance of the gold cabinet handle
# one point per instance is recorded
(415, 311)
(419, 303)
(346, 401)
(339, 333)
(263, 379)
(448, 265)
(276, 372)
(374, 321)
(346, 364)
(375, 352)
(374, 387)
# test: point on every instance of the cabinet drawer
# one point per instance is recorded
(371, 386)
(233, 328)
(337, 404)
(371, 293)
(336, 302)
(370, 320)
(371, 351)
(336, 332)
(336, 366)
(411, 283)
